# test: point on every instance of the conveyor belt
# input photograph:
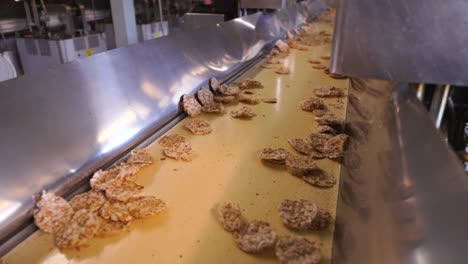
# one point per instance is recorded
(225, 168)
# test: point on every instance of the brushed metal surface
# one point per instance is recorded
(410, 41)
(61, 124)
(12, 25)
(402, 190)
(191, 21)
(315, 7)
(290, 17)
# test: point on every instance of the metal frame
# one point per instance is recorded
(439, 103)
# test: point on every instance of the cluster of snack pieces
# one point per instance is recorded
(329, 142)
(304, 37)
(279, 52)
(209, 102)
(107, 209)
(323, 37)
(294, 41)
(257, 236)
(205, 101)
(317, 64)
(177, 147)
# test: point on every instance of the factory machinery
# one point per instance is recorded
(56, 33)
(150, 22)
(400, 192)
(59, 33)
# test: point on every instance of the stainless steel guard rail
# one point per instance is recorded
(403, 192)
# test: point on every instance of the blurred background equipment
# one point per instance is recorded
(149, 19)
(38, 34)
(57, 32)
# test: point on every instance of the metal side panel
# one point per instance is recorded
(314, 7)
(31, 57)
(60, 124)
(403, 191)
(294, 16)
(421, 41)
(13, 24)
(289, 17)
